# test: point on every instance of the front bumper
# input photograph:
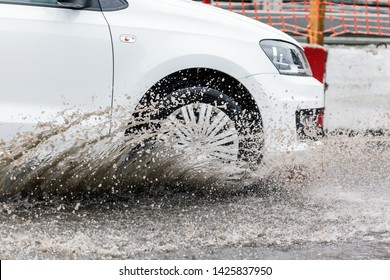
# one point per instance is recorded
(292, 111)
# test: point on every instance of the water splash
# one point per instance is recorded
(75, 159)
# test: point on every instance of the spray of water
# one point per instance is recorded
(75, 159)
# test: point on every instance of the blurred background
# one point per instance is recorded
(340, 21)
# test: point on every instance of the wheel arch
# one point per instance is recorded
(201, 77)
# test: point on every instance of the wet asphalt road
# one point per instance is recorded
(341, 210)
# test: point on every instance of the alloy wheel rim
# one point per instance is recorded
(202, 129)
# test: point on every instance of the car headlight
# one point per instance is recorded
(287, 58)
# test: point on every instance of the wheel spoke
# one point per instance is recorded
(218, 124)
(191, 113)
(203, 129)
(202, 118)
(224, 138)
(185, 115)
(206, 127)
(179, 127)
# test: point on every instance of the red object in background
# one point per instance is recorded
(206, 1)
(317, 60)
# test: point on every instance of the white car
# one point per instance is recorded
(217, 80)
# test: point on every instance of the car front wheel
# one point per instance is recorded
(209, 123)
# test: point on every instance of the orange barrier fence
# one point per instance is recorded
(341, 17)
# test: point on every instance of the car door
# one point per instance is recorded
(52, 59)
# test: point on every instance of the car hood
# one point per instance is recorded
(198, 18)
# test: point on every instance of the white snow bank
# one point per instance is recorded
(358, 96)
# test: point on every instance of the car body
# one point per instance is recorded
(82, 56)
